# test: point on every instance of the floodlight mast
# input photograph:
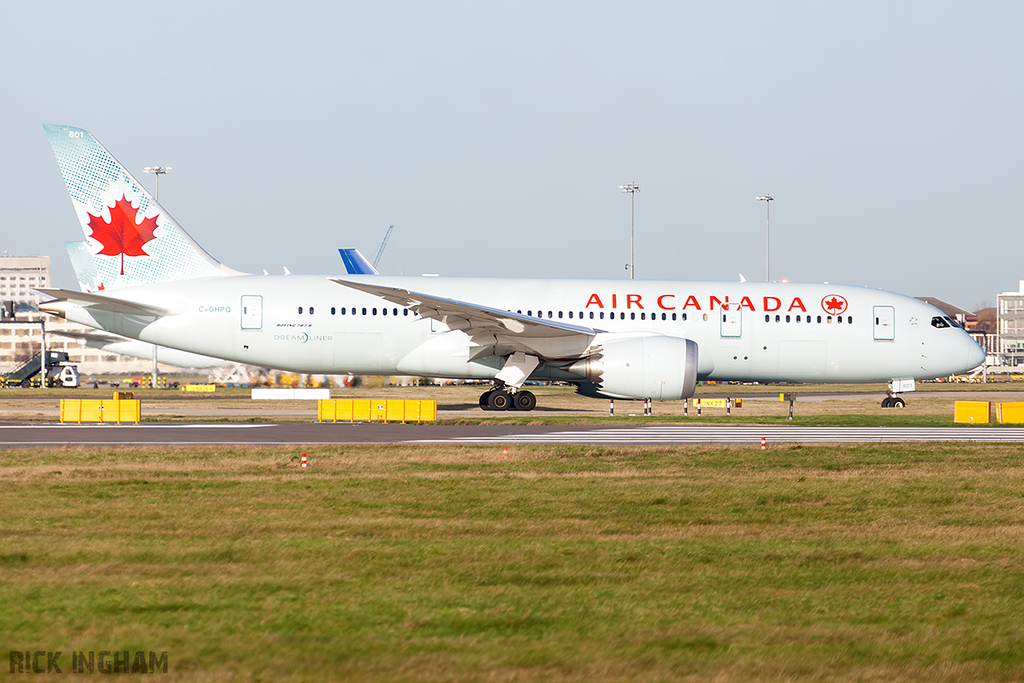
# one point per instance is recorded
(632, 189)
(767, 225)
(157, 171)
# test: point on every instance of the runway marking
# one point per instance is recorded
(749, 434)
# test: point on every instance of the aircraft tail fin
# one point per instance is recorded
(356, 263)
(132, 240)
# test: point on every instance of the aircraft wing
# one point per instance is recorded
(104, 303)
(494, 330)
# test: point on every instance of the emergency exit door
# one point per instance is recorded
(252, 312)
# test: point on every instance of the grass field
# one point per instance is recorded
(875, 562)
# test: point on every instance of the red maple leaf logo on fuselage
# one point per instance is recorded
(122, 236)
(835, 304)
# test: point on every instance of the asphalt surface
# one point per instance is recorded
(21, 435)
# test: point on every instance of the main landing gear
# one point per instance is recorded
(501, 399)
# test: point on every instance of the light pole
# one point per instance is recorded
(767, 230)
(157, 171)
(632, 189)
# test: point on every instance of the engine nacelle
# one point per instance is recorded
(648, 366)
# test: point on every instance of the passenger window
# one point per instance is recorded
(632, 316)
(622, 316)
(602, 315)
(705, 317)
(300, 310)
(550, 314)
(829, 320)
(343, 310)
(394, 311)
(767, 318)
(839, 319)
(332, 310)
(364, 311)
(643, 316)
(570, 315)
(383, 311)
(530, 313)
(787, 318)
(405, 311)
(819, 318)
(674, 316)
(849, 320)
(559, 314)
(375, 311)
(798, 318)
(778, 318)
(311, 310)
(591, 315)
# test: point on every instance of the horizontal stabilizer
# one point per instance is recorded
(103, 303)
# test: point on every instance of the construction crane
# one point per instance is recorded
(380, 252)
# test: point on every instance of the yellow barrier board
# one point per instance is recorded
(369, 410)
(1010, 413)
(714, 402)
(99, 410)
(204, 388)
(971, 412)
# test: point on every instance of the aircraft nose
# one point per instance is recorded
(975, 354)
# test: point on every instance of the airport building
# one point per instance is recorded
(19, 275)
(1010, 314)
(21, 328)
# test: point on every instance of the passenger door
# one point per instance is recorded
(884, 325)
(252, 312)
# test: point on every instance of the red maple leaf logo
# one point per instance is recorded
(122, 236)
(833, 303)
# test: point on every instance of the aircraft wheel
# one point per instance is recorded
(499, 400)
(897, 402)
(524, 401)
(887, 402)
(485, 400)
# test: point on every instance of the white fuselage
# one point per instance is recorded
(745, 331)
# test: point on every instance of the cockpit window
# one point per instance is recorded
(940, 321)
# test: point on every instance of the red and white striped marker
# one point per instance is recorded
(504, 451)
(304, 460)
(763, 447)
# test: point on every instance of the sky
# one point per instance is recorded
(495, 136)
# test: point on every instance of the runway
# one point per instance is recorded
(298, 433)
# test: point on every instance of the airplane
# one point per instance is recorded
(629, 339)
(84, 264)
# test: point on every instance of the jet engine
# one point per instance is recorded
(647, 366)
